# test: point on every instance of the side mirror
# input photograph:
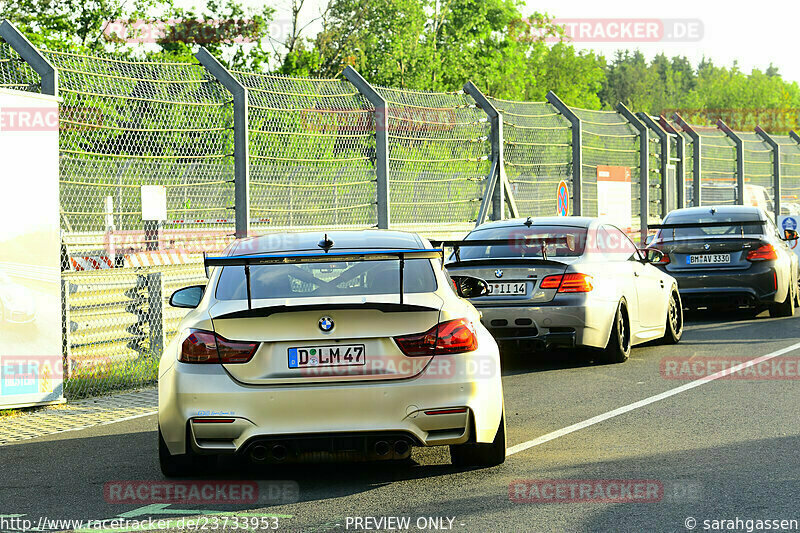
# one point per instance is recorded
(651, 255)
(187, 297)
(789, 235)
(469, 287)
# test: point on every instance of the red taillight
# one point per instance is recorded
(762, 253)
(573, 282)
(206, 347)
(453, 336)
(664, 259)
(551, 282)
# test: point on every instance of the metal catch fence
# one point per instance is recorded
(241, 153)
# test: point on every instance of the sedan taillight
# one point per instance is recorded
(207, 347)
(451, 337)
(762, 253)
(573, 282)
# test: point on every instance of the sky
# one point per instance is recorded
(729, 31)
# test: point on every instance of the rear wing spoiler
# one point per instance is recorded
(708, 224)
(326, 257)
(457, 245)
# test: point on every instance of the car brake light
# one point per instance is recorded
(206, 347)
(451, 337)
(573, 282)
(664, 260)
(765, 252)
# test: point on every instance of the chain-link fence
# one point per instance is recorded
(790, 173)
(439, 155)
(312, 152)
(15, 73)
(608, 139)
(538, 154)
(314, 161)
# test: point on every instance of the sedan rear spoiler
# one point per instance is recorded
(457, 245)
(326, 257)
(708, 224)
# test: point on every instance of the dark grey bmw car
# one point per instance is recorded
(729, 257)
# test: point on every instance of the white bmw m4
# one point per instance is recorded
(353, 345)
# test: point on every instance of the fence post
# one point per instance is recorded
(155, 307)
(776, 168)
(794, 136)
(680, 160)
(739, 159)
(241, 139)
(44, 68)
(66, 350)
(498, 190)
(381, 142)
(663, 136)
(577, 156)
(644, 168)
(697, 165)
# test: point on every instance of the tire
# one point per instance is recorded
(618, 348)
(674, 326)
(481, 455)
(181, 465)
(786, 307)
(797, 294)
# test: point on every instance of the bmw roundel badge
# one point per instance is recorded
(498, 273)
(326, 324)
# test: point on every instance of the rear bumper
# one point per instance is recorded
(585, 323)
(371, 411)
(754, 287)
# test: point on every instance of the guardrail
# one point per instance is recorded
(116, 323)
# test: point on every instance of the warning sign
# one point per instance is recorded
(562, 199)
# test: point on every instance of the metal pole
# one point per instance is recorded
(44, 68)
(697, 150)
(381, 143)
(776, 168)
(794, 136)
(241, 139)
(644, 167)
(577, 156)
(680, 160)
(739, 159)
(665, 155)
(500, 191)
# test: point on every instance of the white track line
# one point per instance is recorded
(522, 446)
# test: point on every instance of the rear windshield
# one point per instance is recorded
(557, 241)
(326, 279)
(739, 226)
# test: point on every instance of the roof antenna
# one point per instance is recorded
(326, 243)
(529, 222)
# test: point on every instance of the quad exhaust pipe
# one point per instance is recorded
(382, 448)
(277, 453)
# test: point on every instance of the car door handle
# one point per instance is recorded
(635, 273)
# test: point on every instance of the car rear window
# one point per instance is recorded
(559, 241)
(326, 279)
(740, 224)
